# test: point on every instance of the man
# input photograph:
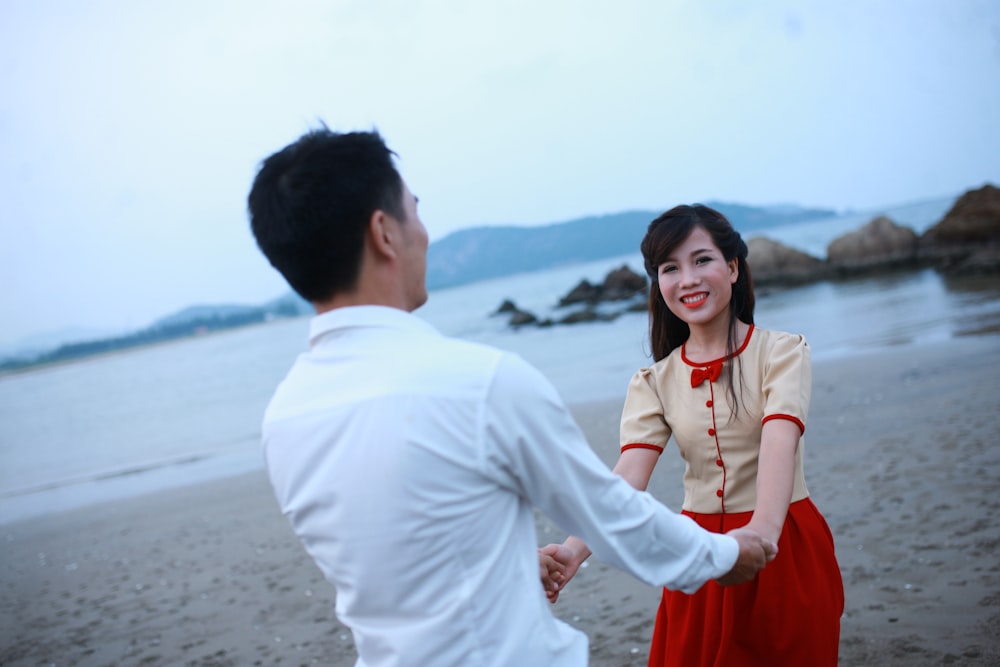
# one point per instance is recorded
(409, 463)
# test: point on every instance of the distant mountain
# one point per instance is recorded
(191, 321)
(32, 346)
(204, 315)
(478, 253)
(289, 305)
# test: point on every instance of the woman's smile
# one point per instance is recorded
(694, 300)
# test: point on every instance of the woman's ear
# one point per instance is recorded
(734, 270)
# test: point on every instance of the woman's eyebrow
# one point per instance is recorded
(699, 251)
(696, 251)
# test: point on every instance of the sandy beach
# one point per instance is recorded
(901, 457)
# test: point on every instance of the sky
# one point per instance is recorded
(130, 132)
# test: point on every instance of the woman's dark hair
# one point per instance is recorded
(312, 201)
(665, 233)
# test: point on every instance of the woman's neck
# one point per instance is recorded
(709, 342)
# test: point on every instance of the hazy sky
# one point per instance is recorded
(130, 131)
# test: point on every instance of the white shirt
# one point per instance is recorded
(409, 463)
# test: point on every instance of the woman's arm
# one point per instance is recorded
(779, 441)
(635, 466)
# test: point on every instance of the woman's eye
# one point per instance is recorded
(667, 269)
(703, 259)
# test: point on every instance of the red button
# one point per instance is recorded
(708, 404)
(719, 493)
(718, 462)
(711, 431)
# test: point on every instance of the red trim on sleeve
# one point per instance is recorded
(642, 445)
(795, 420)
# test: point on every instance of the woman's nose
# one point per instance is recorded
(688, 276)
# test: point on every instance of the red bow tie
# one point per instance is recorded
(712, 373)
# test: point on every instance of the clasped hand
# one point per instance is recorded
(755, 552)
(558, 563)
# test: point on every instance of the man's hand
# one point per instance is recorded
(552, 574)
(755, 553)
(568, 560)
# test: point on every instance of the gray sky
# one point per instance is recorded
(130, 131)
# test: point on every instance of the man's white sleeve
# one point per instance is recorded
(533, 444)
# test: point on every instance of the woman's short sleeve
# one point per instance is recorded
(642, 423)
(787, 382)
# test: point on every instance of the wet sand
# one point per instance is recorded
(902, 457)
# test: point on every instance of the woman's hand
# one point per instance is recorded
(569, 555)
(552, 574)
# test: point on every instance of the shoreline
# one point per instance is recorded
(133, 480)
(901, 458)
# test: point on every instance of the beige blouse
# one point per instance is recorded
(773, 380)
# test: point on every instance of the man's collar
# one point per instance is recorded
(363, 316)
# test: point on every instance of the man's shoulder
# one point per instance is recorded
(460, 351)
(457, 366)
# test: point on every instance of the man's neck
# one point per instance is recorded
(347, 300)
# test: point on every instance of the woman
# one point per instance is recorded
(735, 399)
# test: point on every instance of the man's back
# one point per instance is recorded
(379, 450)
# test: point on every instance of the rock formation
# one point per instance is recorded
(774, 263)
(620, 284)
(879, 245)
(518, 317)
(967, 239)
(974, 218)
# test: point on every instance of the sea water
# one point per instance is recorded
(188, 411)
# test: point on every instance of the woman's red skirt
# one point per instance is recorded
(789, 614)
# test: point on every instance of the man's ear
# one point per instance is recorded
(380, 234)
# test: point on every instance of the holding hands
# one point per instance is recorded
(755, 553)
(558, 563)
(568, 557)
(552, 574)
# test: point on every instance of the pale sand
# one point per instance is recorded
(902, 458)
